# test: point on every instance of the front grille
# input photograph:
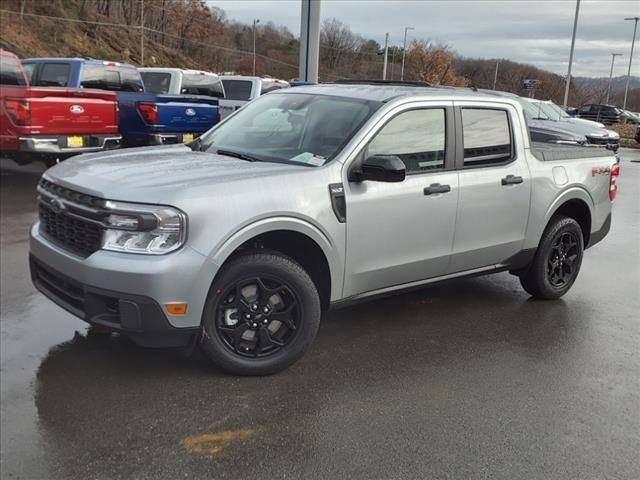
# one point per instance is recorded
(69, 218)
(597, 140)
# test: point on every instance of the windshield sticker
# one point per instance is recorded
(309, 158)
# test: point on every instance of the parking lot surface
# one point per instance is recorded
(467, 380)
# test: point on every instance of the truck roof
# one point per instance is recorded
(177, 70)
(79, 60)
(384, 93)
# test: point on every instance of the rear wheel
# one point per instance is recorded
(557, 262)
(262, 313)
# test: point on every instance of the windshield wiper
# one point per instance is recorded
(241, 156)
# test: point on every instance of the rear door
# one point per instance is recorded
(402, 232)
(495, 186)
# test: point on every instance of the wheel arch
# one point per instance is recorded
(293, 237)
(577, 204)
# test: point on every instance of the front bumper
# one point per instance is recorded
(125, 292)
(58, 144)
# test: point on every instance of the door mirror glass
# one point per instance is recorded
(382, 168)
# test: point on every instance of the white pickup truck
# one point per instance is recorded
(177, 81)
(241, 90)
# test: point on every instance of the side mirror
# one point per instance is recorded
(381, 168)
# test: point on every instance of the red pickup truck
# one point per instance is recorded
(51, 124)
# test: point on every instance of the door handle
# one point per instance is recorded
(511, 180)
(437, 188)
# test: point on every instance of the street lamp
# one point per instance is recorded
(613, 59)
(633, 41)
(573, 44)
(255, 21)
(404, 51)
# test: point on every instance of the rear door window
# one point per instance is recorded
(54, 75)
(487, 136)
(196, 84)
(10, 72)
(111, 77)
(237, 89)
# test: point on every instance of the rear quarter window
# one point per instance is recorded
(11, 72)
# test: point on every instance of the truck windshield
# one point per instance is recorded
(156, 82)
(10, 72)
(111, 77)
(554, 111)
(237, 89)
(202, 84)
(295, 128)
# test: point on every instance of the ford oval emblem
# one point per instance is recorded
(56, 205)
(190, 112)
(76, 109)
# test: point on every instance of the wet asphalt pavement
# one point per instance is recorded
(466, 380)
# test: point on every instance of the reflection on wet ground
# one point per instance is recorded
(470, 379)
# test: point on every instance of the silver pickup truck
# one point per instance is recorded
(309, 198)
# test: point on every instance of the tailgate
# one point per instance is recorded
(72, 111)
(186, 114)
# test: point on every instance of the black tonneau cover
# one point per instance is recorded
(551, 152)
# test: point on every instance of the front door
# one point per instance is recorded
(402, 232)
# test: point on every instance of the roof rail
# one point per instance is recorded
(403, 83)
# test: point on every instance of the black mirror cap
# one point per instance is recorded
(382, 168)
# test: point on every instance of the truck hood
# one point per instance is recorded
(157, 174)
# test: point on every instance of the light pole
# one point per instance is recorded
(495, 76)
(633, 41)
(255, 21)
(386, 54)
(573, 44)
(613, 59)
(404, 50)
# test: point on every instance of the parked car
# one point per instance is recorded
(308, 199)
(594, 133)
(51, 124)
(607, 114)
(241, 90)
(554, 112)
(543, 129)
(145, 118)
(629, 117)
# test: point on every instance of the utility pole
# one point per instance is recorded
(255, 21)
(573, 44)
(613, 59)
(142, 33)
(495, 75)
(404, 51)
(386, 52)
(633, 41)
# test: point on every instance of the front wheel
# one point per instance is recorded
(261, 315)
(557, 261)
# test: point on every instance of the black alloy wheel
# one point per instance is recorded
(257, 316)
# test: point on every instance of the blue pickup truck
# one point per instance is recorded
(144, 118)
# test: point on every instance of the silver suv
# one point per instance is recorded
(308, 198)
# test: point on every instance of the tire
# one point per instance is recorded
(261, 314)
(555, 267)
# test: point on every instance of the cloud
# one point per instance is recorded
(536, 32)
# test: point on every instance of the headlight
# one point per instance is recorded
(568, 142)
(146, 229)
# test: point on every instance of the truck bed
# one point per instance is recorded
(550, 152)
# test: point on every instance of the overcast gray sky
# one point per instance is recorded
(536, 32)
